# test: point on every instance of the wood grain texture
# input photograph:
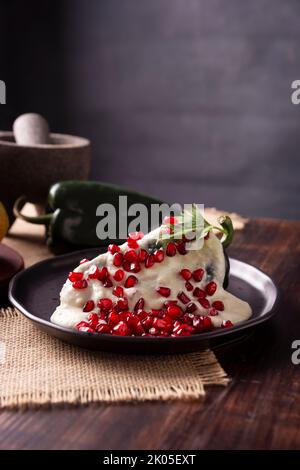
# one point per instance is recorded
(259, 410)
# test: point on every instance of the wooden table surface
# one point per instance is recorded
(260, 409)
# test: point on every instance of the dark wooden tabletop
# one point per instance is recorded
(260, 409)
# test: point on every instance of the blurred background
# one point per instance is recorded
(188, 100)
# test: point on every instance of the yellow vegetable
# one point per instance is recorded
(4, 222)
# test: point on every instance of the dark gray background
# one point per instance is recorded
(188, 100)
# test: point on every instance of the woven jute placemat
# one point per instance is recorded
(38, 370)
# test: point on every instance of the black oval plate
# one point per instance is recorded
(35, 292)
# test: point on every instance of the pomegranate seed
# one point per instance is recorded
(118, 291)
(171, 249)
(159, 256)
(121, 329)
(135, 267)
(118, 259)
(80, 284)
(164, 291)
(174, 311)
(105, 304)
(82, 324)
(218, 305)
(93, 272)
(204, 302)
(89, 306)
(108, 283)
(153, 331)
(139, 305)
(211, 288)
(200, 293)
(161, 324)
(125, 316)
(84, 260)
(150, 260)
(142, 314)
(132, 243)
(130, 281)
(119, 275)
(183, 330)
(136, 235)
(198, 274)
(142, 255)
(103, 274)
(136, 326)
(130, 256)
(202, 323)
(113, 317)
(183, 298)
(188, 286)
(167, 303)
(213, 312)
(170, 220)
(74, 276)
(186, 274)
(147, 322)
(113, 249)
(227, 324)
(181, 248)
(93, 317)
(127, 266)
(191, 307)
(103, 329)
(122, 304)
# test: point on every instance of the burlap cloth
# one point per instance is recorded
(38, 370)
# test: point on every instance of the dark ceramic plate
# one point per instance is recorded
(35, 292)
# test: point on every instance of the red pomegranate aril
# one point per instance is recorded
(139, 305)
(122, 304)
(113, 317)
(186, 274)
(142, 315)
(118, 291)
(142, 255)
(74, 276)
(191, 307)
(202, 323)
(89, 306)
(105, 304)
(102, 274)
(174, 311)
(108, 283)
(156, 312)
(125, 316)
(93, 317)
(159, 256)
(81, 324)
(167, 303)
(130, 281)
(150, 260)
(211, 288)
(80, 284)
(200, 293)
(147, 322)
(103, 329)
(213, 312)
(132, 243)
(198, 274)
(118, 260)
(84, 260)
(171, 249)
(183, 298)
(181, 248)
(135, 267)
(119, 275)
(130, 256)
(93, 272)
(136, 235)
(126, 266)
(183, 330)
(164, 291)
(113, 249)
(121, 329)
(188, 286)
(204, 302)
(218, 305)
(227, 324)
(136, 326)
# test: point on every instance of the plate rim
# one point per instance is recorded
(199, 337)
